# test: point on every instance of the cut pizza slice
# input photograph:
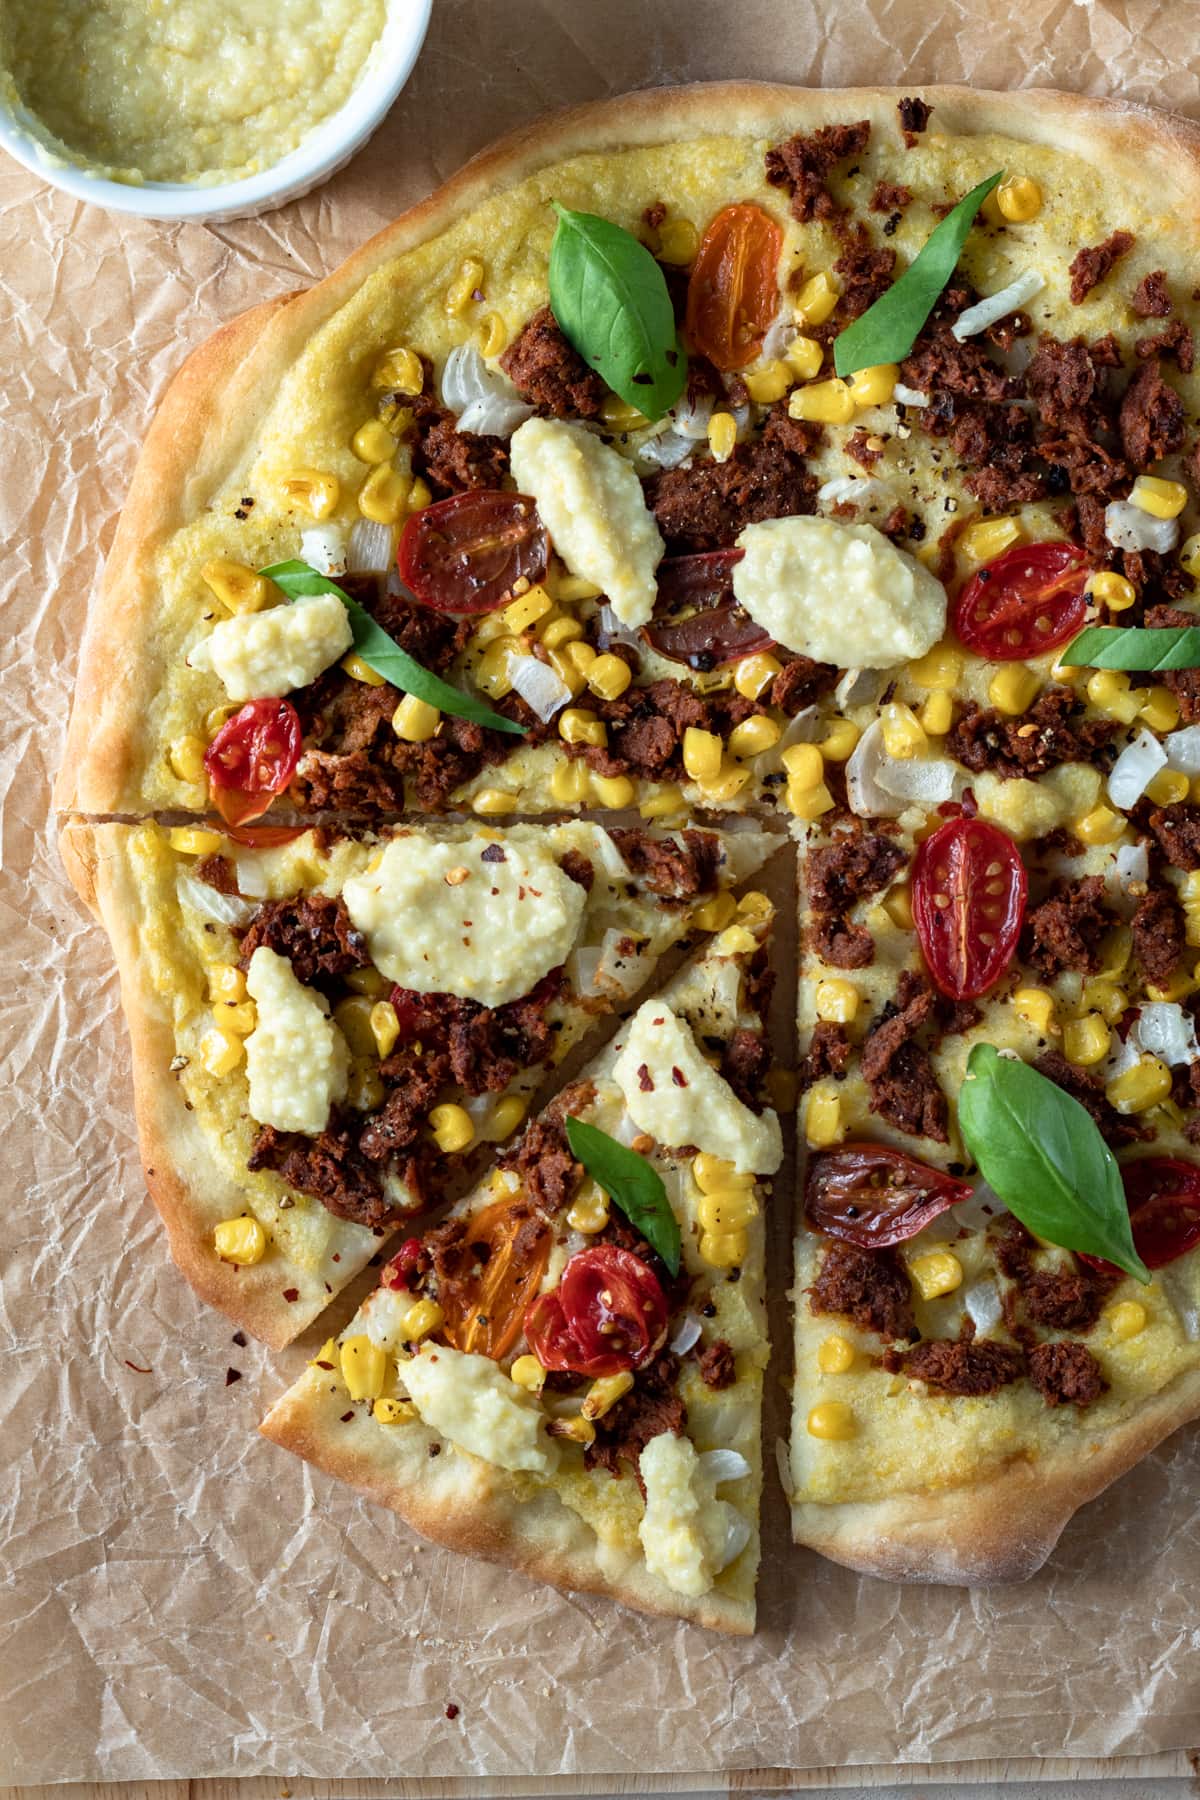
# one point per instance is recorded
(331, 1031)
(567, 1375)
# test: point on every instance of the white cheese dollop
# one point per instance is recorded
(684, 1529)
(296, 1058)
(839, 593)
(448, 919)
(263, 655)
(591, 503)
(470, 1401)
(671, 1092)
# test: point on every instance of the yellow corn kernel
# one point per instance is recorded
(238, 588)
(729, 1209)
(840, 740)
(492, 803)
(902, 732)
(1100, 826)
(702, 752)
(213, 721)
(1126, 1319)
(561, 632)
(1191, 935)
(506, 1116)
(390, 1411)
(352, 1015)
(608, 677)
(579, 1430)
(464, 286)
(1116, 950)
(1100, 995)
(368, 981)
(982, 542)
(194, 840)
(237, 1017)
(937, 1273)
(1086, 1040)
(754, 674)
(186, 757)
(806, 356)
(452, 1128)
(528, 1373)
(837, 1000)
(1036, 1007)
(221, 1052)
(581, 655)
(526, 610)
(753, 736)
(1161, 499)
(491, 672)
(805, 766)
(836, 1355)
(364, 1088)
(364, 1367)
(1108, 690)
(1019, 199)
(832, 1420)
(394, 414)
(722, 436)
(400, 372)
(816, 300)
(823, 402)
(1013, 688)
(570, 588)
(588, 1211)
(715, 914)
(226, 982)
(1181, 984)
(726, 784)
(755, 905)
(1189, 555)
(373, 442)
(242, 1241)
(727, 1251)
(937, 715)
(1168, 786)
(873, 386)
(823, 1116)
(313, 489)
(422, 1317)
(415, 720)
(1141, 1087)
(1112, 590)
(678, 242)
(620, 415)
(712, 1173)
(604, 1393)
(1161, 709)
(770, 382)
(612, 791)
(939, 668)
(579, 726)
(418, 495)
(735, 940)
(385, 1027)
(326, 1356)
(1189, 888)
(491, 335)
(384, 495)
(358, 670)
(665, 804)
(808, 804)
(569, 781)
(897, 904)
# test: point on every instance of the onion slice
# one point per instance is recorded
(1127, 527)
(997, 306)
(540, 686)
(217, 908)
(1135, 769)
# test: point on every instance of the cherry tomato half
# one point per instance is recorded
(463, 555)
(398, 1271)
(608, 1313)
(872, 1195)
(509, 1247)
(266, 837)
(1163, 1196)
(697, 621)
(1028, 600)
(252, 758)
(968, 901)
(733, 293)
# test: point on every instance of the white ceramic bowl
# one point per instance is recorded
(325, 150)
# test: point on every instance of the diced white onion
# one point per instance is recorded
(1166, 1031)
(1124, 1054)
(666, 451)
(1135, 769)
(1183, 750)
(860, 687)
(323, 547)
(538, 685)
(615, 631)
(687, 1335)
(716, 1466)
(370, 549)
(997, 306)
(725, 992)
(623, 971)
(217, 908)
(741, 419)
(1127, 527)
(1133, 862)
(881, 786)
(613, 863)
(864, 791)
(625, 1131)
(924, 780)
(1181, 1284)
(779, 334)
(737, 1536)
(854, 490)
(251, 875)
(906, 396)
(482, 397)
(983, 1306)
(581, 968)
(690, 417)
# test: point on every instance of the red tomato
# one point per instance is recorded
(968, 901)
(464, 555)
(416, 1012)
(733, 293)
(872, 1195)
(252, 758)
(608, 1313)
(397, 1272)
(265, 837)
(697, 620)
(1163, 1196)
(1028, 600)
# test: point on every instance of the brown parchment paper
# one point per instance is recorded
(177, 1597)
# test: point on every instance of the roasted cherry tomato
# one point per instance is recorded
(416, 1012)
(1163, 1196)
(608, 1313)
(252, 758)
(464, 555)
(397, 1272)
(733, 293)
(968, 901)
(697, 621)
(1028, 600)
(266, 837)
(872, 1195)
(503, 1257)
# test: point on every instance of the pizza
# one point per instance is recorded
(695, 473)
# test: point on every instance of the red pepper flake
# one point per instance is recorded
(291, 1295)
(645, 1080)
(346, 1418)
(452, 1711)
(321, 1365)
(678, 1077)
(137, 1367)
(232, 1375)
(239, 1338)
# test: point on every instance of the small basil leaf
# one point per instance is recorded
(1044, 1156)
(1134, 647)
(629, 1179)
(383, 654)
(887, 331)
(610, 298)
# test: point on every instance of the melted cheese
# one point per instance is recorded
(471, 1402)
(442, 920)
(263, 655)
(839, 593)
(671, 1092)
(296, 1058)
(684, 1528)
(592, 505)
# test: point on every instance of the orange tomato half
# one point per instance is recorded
(733, 292)
(511, 1247)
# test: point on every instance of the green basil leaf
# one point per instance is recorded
(887, 331)
(1044, 1156)
(610, 298)
(629, 1179)
(1134, 647)
(384, 655)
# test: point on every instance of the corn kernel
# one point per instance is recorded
(823, 1116)
(422, 1317)
(722, 436)
(1126, 1319)
(726, 784)
(560, 632)
(238, 588)
(238, 1017)
(612, 791)
(1161, 499)
(358, 670)
(213, 721)
(729, 1209)
(702, 752)
(727, 1251)
(678, 242)
(937, 1273)
(373, 442)
(364, 1367)
(1108, 690)
(491, 335)
(1013, 688)
(506, 1116)
(384, 495)
(528, 1373)
(836, 1355)
(840, 740)
(1086, 1040)
(395, 415)
(221, 1052)
(715, 914)
(580, 1431)
(754, 674)
(1161, 709)
(368, 981)
(939, 668)
(937, 715)
(314, 490)
(1189, 555)
(806, 356)
(1140, 1087)
(816, 300)
(1181, 984)
(452, 1128)
(603, 1394)
(1101, 826)
(390, 1411)
(808, 804)
(588, 1211)
(770, 382)
(619, 415)
(1112, 590)
(400, 372)
(464, 286)
(385, 1027)
(608, 677)
(1116, 950)
(415, 721)
(833, 1421)
(419, 495)
(1168, 787)
(327, 1355)
(581, 655)
(897, 904)
(579, 726)
(242, 1241)
(753, 736)
(567, 589)
(194, 840)
(569, 781)
(1036, 1007)
(714, 1173)
(352, 1016)
(491, 671)
(364, 1087)
(874, 386)
(735, 940)
(823, 402)
(226, 982)
(492, 803)
(986, 540)
(1101, 996)
(186, 757)
(837, 1000)
(805, 766)
(902, 732)
(1019, 199)
(665, 804)
(526, 610)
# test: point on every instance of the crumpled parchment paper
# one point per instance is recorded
(177, 1597)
